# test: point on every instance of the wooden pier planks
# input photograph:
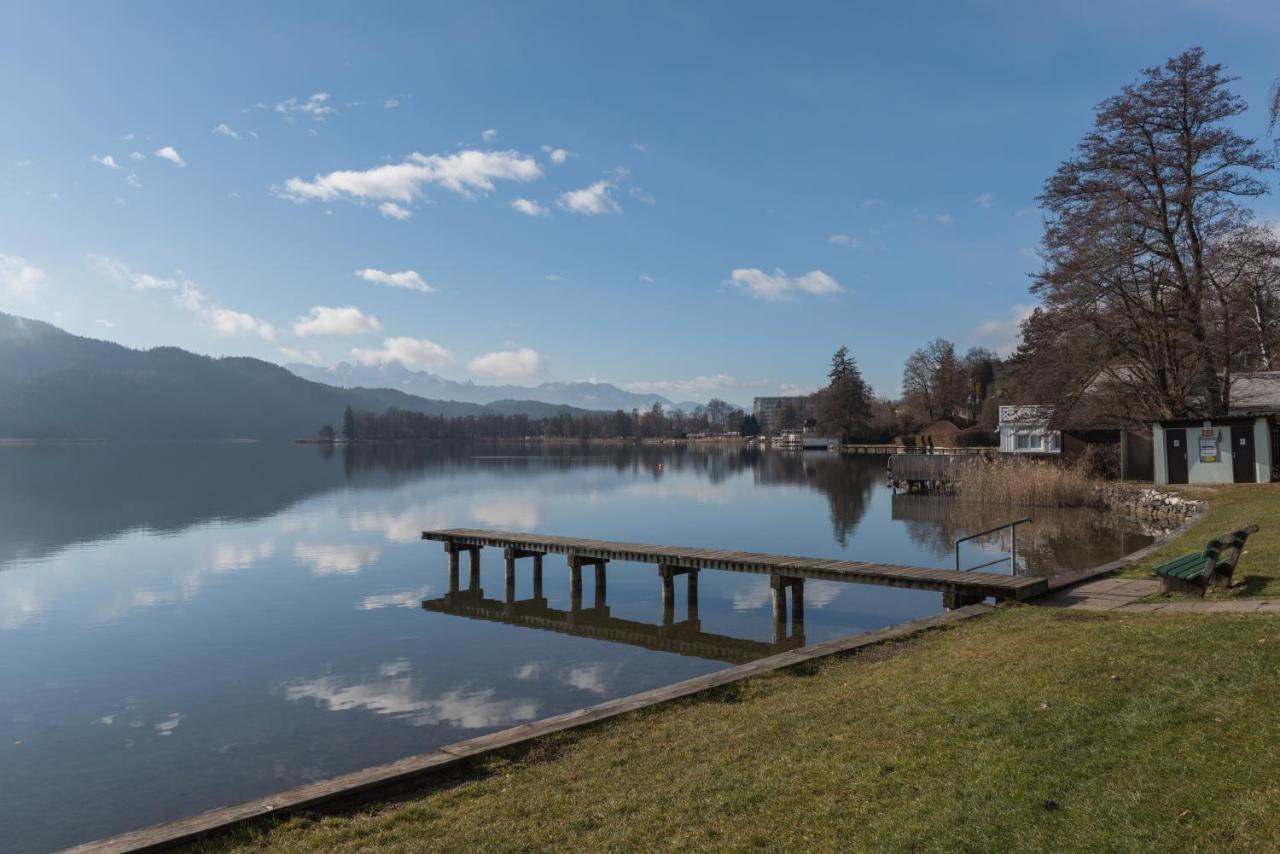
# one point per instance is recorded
(943, 580)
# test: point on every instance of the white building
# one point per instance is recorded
(1025, 430)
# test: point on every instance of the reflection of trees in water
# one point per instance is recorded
(845, 481)
(1059, 539)
(54, 495)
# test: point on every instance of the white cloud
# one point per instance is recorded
(340, 320)
(639, 146)
(556, 155)
(137, 155)
(871, 203)
(1003, 334)
(944, 218)
(132, 180)
(641, 195)
(171, 154)
(317, 106)
(411, 352)
(403, 599)
(465, 708)
(522, 513)
(795, 390)
(648, 280)
(779, 285)
(391, 103)
(104, 323)
(107, 161)
(393, 211)
(407, 279)
(335, 560)
(489, 135)
(593, 200)
(1027, 211)
(508, 364)
(845, 240)
(225, 129)
(984, 200)
(19, 278)
(188, 295)
(529, 208)
(552, 277)
(466, 173)
(23, 164)
(306, 357)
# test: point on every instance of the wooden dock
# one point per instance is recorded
(958, 588)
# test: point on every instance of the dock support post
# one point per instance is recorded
(957, 599)
(600, 586)
(575, 586)
(453, 568)
(667, 577)
(474, 580)
(510, 574)
(537, 576)
(779, 595)
(797, 607)
(691, 598)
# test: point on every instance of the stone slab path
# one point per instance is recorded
(1122, 594)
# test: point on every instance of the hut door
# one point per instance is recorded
(1243, 469)
(1175, 454)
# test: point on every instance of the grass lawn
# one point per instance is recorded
(1027, 729)
(1230, 507)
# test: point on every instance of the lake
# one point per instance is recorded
(184, 626)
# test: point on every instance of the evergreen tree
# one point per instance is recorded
(843, 408)
(349, 423)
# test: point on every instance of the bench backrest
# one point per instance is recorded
(1234, 541)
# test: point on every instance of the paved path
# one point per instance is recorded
(1122, 594)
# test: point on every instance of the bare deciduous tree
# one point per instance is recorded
(1136, 223)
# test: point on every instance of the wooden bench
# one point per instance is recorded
(1198, 571)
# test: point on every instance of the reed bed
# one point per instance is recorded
(1024, 481)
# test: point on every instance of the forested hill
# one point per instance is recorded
(57, 385)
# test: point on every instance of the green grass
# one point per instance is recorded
(1028, 729)
(1230, 507)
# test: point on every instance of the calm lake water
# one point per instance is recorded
(186, 626)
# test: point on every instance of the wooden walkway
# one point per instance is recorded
(965, 586)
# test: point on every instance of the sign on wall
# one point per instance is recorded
(1208, 449)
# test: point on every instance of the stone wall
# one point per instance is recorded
(1152, 504)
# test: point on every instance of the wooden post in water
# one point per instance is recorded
(667, 578)
(797, 607)
(537, 576)
(575, 585)
(474, 580)
(779, 595)
(691, 597)
(600, 586)
(453, 567)
(510, 578)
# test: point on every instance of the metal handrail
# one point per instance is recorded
(1013, 545)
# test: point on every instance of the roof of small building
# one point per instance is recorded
(1025, 415)
(1255, 392)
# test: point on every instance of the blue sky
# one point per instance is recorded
(691, 198)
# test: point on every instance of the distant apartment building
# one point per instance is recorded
(768, 411)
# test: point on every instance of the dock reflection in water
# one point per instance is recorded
(684, 637)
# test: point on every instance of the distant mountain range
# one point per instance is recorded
(57, 385)
(586, 395)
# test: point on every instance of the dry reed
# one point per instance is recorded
(1024, 481)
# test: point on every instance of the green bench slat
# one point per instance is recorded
(1184, 568)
